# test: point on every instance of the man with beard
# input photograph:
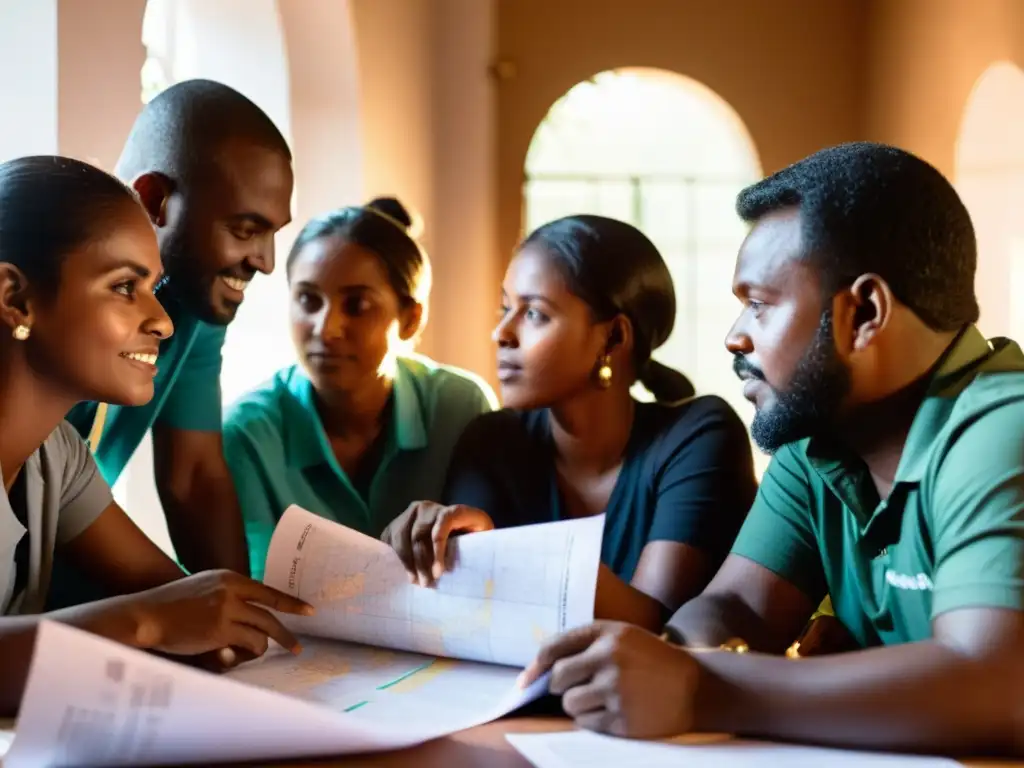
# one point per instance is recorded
(215, 175)
(897, 487)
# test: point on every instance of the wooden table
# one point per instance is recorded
(486, 747)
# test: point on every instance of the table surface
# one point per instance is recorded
(483, 747)
(486, 746)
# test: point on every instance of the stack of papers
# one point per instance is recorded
(385, 664)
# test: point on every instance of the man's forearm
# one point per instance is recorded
(707, 621)
(205, 525)
(921, 696)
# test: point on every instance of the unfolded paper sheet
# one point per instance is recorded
(90, 701)
(583, 749)
(508, 591)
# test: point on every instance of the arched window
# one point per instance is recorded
(990, 179)
(668, 155)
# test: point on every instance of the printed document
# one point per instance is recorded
(386, 664)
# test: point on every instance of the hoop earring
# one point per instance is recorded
(21, 332)
(604, 372)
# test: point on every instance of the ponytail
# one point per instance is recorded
(666, 384)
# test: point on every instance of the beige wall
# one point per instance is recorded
(792, 69)
(98, 94)
(428, 132)
(924, 57)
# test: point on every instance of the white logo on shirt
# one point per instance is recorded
(906, 581)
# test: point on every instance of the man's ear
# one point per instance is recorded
(154, 189)
(15, 306)
(410, 321)
(873, 303)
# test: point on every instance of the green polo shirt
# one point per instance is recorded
(951, 533)
(186, 392)
(279, 453)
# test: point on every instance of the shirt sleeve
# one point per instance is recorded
(706, 483)
(483, 398)
(247, 459)
(84, 494)
(194, 402)
(978, 512)
(779, 534)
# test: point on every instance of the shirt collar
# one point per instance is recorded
(306, 442)
(950, 377)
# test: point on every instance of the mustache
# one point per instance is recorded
(743, 368)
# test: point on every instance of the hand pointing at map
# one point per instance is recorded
(420, 536)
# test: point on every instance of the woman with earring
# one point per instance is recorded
(79, 321)
(585, 301)
(361, 426)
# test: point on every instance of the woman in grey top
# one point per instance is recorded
(79, 320)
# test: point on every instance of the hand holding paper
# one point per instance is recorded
(420, 535)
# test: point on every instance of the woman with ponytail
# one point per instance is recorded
(584, 303)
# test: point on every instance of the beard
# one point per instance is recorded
(185, 280)
(810, 402)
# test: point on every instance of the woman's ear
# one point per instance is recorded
(15, 303)
(410, 321)
(620, 337)
(154, 190)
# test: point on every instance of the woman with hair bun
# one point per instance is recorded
(585, 301)
(361, 426)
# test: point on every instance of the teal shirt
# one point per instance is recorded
(949, 536)
(186, 393)
(279, 454)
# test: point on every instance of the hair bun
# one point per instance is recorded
(398, 213)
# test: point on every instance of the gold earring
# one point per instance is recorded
(604, 372)
(21, 332)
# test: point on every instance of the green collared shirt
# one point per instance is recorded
(279, 453)
(951, 533)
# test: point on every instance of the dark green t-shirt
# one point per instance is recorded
(951, 533)
(687, 477)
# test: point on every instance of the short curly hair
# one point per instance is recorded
(867, 207)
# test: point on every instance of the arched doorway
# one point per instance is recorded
(668, 155)
(990, 179)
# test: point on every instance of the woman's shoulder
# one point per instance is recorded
(508, 429)
(63, 443)
(694, 419)
(262, 408)
(448, 383)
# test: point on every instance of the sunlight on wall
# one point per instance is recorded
(990, 179)
(668, 155)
